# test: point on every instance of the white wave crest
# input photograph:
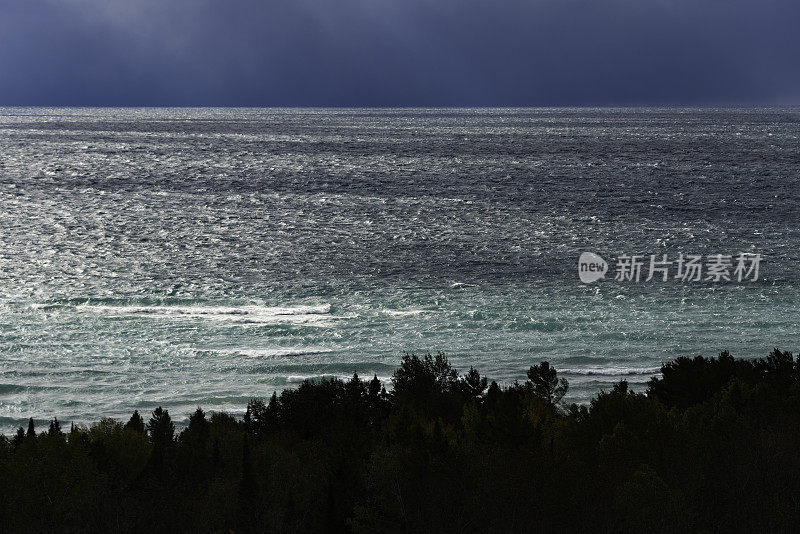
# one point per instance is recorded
(319, 314)
(402, 313)
(275, 352)
(611, 371)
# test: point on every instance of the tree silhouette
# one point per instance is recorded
(355, 388)
(546, 383)
(494, 393)
(374, 388)
(779, 367)
(19, 438)
(248, 416)
(161, 428)
(474, 383)
(197, 431)
(685, 382)
(423, 377)
(627, 461)
(272, 411)
(136, 423)
(260, 418)
(55, 428)
(162, 434)
(31, 434)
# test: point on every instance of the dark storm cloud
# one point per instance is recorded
(398, 52)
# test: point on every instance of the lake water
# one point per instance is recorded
(190, 257)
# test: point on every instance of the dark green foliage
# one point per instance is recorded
(161, 428)
(546, 383)
(374, 388)
(136, 423)
(197, 432)
(686, 381)
(162, 435)
(426, 376)
(55, 429)
(710, 447)
(429, 385)
(493, 394)
(18, 438)
(474, 383)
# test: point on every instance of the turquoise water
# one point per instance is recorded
(206, 256)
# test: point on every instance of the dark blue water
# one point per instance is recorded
(205, 256)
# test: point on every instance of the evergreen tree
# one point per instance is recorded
(198, 430)
(19, 438)
(494, 393)
(272, 408)
(374, 388)
(248, 417)
(161, 427)
(355, 388)
(546, 383)
(136, 423)
(55, 428)
(474, 383)
(422, 378)
(260, 418)
(674, 461)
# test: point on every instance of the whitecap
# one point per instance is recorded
(402, 313)
(274, 352)
(611, 371)
(301, 314)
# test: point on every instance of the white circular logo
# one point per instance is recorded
(591, 267)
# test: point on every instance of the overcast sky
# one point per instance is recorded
(399, 52)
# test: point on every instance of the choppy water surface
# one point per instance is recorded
(205, 256)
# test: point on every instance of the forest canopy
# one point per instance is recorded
(711, 445)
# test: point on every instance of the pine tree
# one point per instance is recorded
(546, 384)
(162, 434)
(374, 388)
(55, 428)
(494, 393)
(248, 418)
(273, 403)
(198, 430)
(161, 428)
(474, 383)
(19, 438)
(355, 388)
(135, 423)
(621, 387)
